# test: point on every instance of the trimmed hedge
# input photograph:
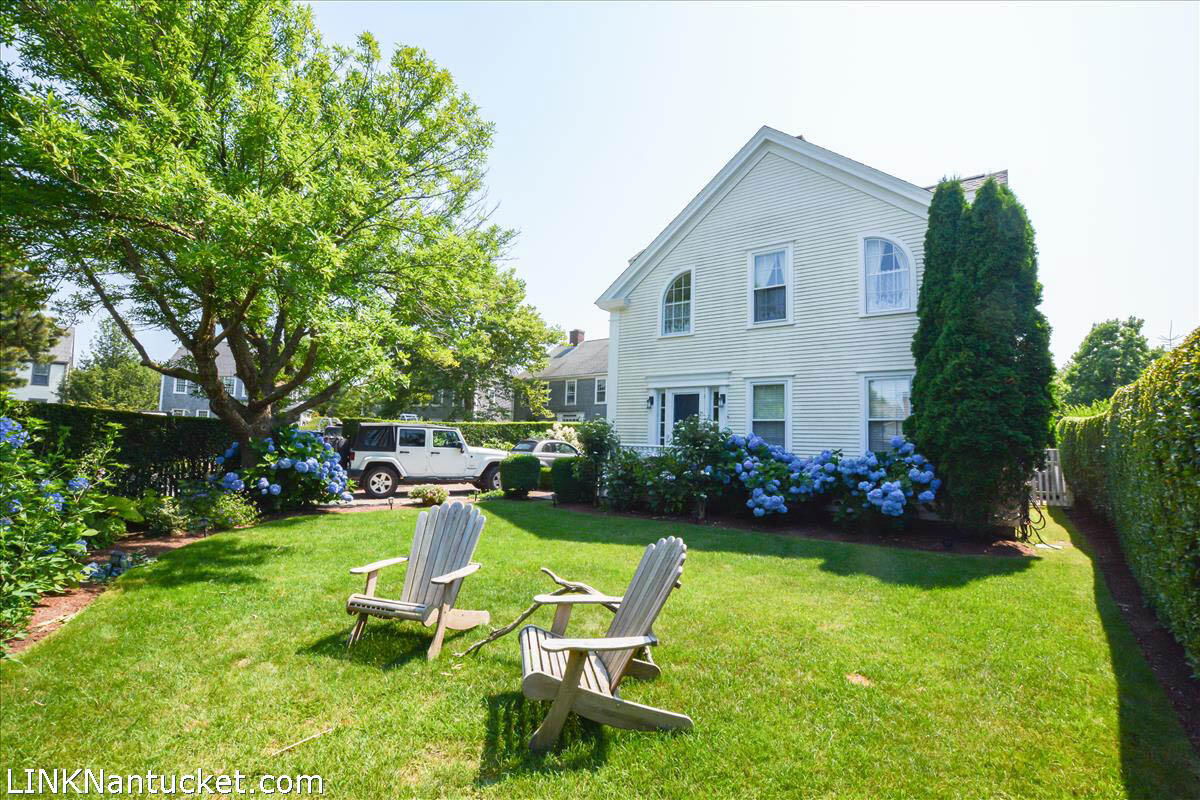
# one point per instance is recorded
(519, 474)
(1139, 465)
(477, 434)
(159, 451)
(566, 484)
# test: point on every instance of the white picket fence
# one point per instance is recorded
(1049, 486)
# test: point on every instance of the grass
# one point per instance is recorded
(988, 677)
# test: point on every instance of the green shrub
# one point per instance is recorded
(477, 434)
(208, 508)
(429, 495)
(160, 452)
(52, 511)
(519, 474)
(1138, 465)
(545, 482)
(293, 469)
(161, 515)
(566, 483)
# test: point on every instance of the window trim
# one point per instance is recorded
(571, 385)
(184, 390)
(862, 275)
(662, 302)
(788, 284)
(771, 380)
(34, 375)
(596, 388)
(864, 410)
(179, 412)
(203, 413)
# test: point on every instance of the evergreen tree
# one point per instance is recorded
(946, 213)
(984, 383)
(112, 375)
(26, 334)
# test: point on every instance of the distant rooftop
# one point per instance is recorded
(589, 357)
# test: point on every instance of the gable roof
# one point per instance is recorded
(225, 363)
(855, 174)
(589, 357)
(972, 184)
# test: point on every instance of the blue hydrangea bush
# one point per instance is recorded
(890, 485)
(293, 469)
(53, 509)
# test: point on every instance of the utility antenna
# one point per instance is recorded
(1168, 341)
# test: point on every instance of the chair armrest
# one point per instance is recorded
(458, 574)
(572, 599)
(375, 566)
(619, 643)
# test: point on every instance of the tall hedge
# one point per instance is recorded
(1139, 465)
(159, 451)
(477, 434)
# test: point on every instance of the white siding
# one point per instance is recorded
(828, 346)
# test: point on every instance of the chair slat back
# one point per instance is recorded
(444, 541)
(655, 577)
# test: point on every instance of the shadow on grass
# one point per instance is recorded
(923, 569)
(511, 722)
(216, 559)
(1146, 742)
(385, 645)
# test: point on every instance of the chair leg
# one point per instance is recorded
(356, 633)
(546, 736)
(440, 633)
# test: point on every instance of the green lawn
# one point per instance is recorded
(989, 677)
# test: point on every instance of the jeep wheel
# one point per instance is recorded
(380, 481)
(490, 480)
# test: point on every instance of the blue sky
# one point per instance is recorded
(610, 117)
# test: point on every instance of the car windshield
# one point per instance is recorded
(525, 447)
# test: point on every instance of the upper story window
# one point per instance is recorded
(770, 283)
(601, 391)
(231, 385)
(677, 306)
(183, 386)
(40, 376)
(570, 392)
(887, 276)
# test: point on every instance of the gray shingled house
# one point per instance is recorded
(577, 374)
(183, 398)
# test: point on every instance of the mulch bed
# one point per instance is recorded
(1164, 654)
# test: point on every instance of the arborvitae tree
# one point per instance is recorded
(984, 383)
(946, 213)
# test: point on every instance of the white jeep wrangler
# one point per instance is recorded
(385, 454)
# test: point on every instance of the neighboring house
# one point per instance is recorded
(781, 300)
(43, 379)
(490, 404)
(183, 398)
(577, 376)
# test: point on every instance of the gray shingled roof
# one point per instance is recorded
(973, 183)
(568, 361)
(225, 363)
(63, 351)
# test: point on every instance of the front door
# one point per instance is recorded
(683, 405)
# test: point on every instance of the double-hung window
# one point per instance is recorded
(677, 306)
(570, 392)
(230, 384)
(889, 403)
(183, 386)
(601, 391)
(770, 272)
(40, 376)
(887, 276)
(768, 411)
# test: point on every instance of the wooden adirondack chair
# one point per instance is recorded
(582, 675)
(440, 558)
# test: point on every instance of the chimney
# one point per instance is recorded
(576, 337)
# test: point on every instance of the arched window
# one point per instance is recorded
(887, 276)
(677, 306)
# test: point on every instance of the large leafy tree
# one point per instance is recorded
(112, 375)
(214, 169)
(26, 334)
(1114, 353)
(984, 382)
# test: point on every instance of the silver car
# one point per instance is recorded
(546, 450)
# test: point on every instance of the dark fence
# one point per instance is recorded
(158, 452)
